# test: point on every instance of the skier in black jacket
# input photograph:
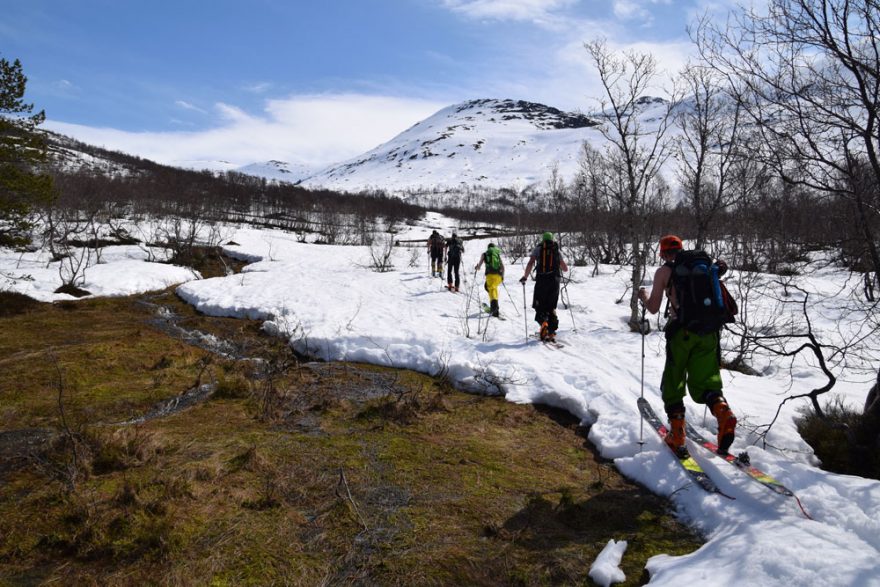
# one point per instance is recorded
(435, 249)
(549, 264)
(454, 250)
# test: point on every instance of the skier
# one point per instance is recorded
(435, 249)
(693, 350)
(494, 275)
(454, 249)
(550, 265)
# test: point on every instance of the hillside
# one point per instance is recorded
(478, 145)
(485, 143)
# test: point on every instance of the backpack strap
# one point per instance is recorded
(549, 258)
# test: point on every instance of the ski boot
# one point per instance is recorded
(726, 424)
(675, 438)
(494, 308)
(545, 330)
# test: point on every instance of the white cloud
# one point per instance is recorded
(631, 10)
(538, 11)
(64, 87)
(257, 88)
(187, 106)
(231, 113)
(555, 69)
(312, 129)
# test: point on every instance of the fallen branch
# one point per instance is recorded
(344, 483)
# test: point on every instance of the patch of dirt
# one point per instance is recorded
(16, 446)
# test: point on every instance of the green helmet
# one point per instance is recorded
(547, 236)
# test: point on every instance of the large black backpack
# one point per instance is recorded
(454, 248)
(437, 242)
(704, 304)
(548, 259)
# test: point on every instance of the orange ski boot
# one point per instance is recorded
(726, 424)
(675, 437)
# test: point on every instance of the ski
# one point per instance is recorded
(741, 462)
(691, 467)
(555, 344)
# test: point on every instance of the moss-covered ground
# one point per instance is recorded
(290, 473)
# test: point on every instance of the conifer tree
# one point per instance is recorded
(23, 181)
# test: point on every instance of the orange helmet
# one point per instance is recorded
(670, 243)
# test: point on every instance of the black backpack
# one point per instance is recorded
(437, 242)
(454, 248)
(548, 259)
(704, 304)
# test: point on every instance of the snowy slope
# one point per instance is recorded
(279, 170)
(487, 143)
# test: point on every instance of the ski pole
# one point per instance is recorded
(510, 297)
(467, 307)
(642, 393)
(525, 318)
(479, 309)
(568, 303)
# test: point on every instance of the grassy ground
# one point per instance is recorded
(290, 473)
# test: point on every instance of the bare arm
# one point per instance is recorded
(653, 300)
(528, 270)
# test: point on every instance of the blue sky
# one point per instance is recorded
(309, 81)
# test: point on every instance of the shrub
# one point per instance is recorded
(842, 440)
(13, 303)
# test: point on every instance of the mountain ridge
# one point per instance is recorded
(479, 144)
(490, 143)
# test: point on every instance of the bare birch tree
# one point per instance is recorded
(707, 147)
(807, 74)
(635, 150)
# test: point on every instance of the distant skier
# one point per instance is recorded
(693, 349)
(549, 264)
(435, 249)
(494, 275)
(454, 250)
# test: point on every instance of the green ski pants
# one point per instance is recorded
(692, 359)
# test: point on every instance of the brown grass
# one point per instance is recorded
(356, 475)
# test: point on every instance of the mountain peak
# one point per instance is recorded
(486, 143)
(541, 115)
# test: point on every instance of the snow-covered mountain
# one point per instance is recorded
(71, 155)
(485, 143)
(279, 170)
(478, 144)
